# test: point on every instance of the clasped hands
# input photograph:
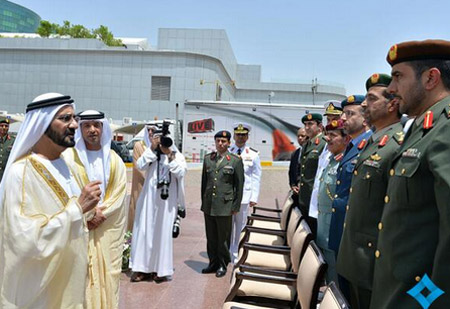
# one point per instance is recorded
(89, 199)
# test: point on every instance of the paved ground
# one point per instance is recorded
(189, 288)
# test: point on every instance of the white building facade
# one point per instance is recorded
(139, 81)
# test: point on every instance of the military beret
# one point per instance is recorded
(378, 79)
(419, 50)
(241, 127)
(6, 120)
(223, 133)
(312, 116)
(335, 125)
(355, 99)
(333, 107)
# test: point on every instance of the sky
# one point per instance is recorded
(337, 42)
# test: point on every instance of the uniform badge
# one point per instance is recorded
(309, 116)
(317, 141)
(213, 155)
(393, 52)
(228, 157)
(362, 144)
(372, 163)
(400, 136)
(383, 141)
(428, 120)
(339, 157)
(375, 157)
(374, 78)
(351, 99)
(246, 150)
(411, 153)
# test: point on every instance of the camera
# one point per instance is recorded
(166, 141)
(164, 185)
(176, 225)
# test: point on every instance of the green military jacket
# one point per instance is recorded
(6, 144)
(222, 184)
(356, 256)
(307, 170)
(414, 231)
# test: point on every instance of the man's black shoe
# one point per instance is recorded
(209, 270)
(222, 271)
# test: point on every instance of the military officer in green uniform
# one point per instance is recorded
(221, 193)
(6, 143)
(414, 230)
(365, 205)
(308, 164)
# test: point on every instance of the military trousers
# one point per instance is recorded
(218, 234)
(359, 297)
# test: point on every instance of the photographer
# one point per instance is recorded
(156, 207)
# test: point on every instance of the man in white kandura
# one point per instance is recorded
(44, 238)
(92, 159)
(152, 244)
(252, 171)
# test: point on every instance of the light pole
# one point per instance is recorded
(271, 95)
(314, 90)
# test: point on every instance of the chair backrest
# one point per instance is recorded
(300, 241)
(310, 275)
(333, 298)
(286, 211)
(294, 220)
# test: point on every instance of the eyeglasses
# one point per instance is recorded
(68, 118)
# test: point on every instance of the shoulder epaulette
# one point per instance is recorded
(235, 155)
(212, 155)
(253, 149)
(398, 137)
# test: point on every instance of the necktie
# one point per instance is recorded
(239, 152)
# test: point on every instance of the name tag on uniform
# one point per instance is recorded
(411, 153)
(372, 163)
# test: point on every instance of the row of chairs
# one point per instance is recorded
(280, 266)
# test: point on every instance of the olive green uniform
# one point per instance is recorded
(6, 144)
(414, 231)
(307, 173)
(222, 188)
(356, 256)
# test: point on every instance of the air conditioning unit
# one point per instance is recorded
(126, 121)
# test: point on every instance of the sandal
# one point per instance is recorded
(137, 277)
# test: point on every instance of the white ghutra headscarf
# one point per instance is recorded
(39, 115)
(80, 145)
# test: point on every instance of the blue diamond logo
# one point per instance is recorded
(425, 284)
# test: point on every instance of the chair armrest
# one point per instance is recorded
(260, 278)
(269, 249)
(255, 208)
(263, 218)
(268, 272)
(261, 230)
